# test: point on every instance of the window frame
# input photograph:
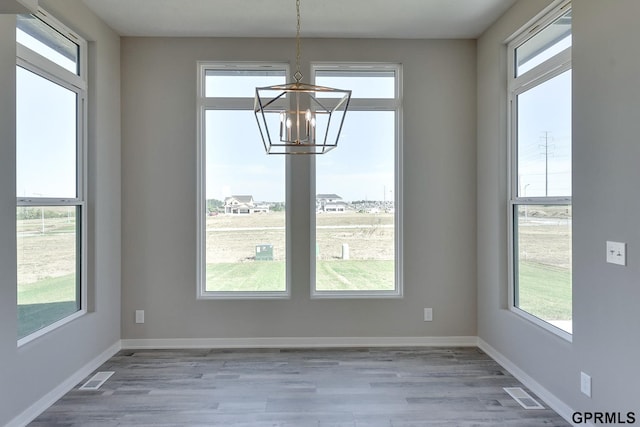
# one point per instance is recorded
(517, 85)
(366, 104)
(77, 83)
(205, 104)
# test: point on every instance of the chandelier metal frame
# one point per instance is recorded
(300, 118)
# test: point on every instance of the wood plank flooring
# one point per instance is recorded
(371, 387)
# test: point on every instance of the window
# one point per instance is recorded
(358, 188)
(50, 176)
(242, 247)
(540, 172)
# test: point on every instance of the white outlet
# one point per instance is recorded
(139, 316)
(617, 253)
(428, 314)
(585, 384)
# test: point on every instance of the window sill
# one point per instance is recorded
(550, 327)
(47, 329)
(244, 296)
(356, 294)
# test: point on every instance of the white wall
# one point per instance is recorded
(159, 196)
(30, 372)
(606, 109)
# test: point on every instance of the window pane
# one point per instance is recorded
(48, 267)
(363, 84)
(41, 38)
(245, 202)
(240, 83)
(543, 263)
(355, 212)
(46, 138)
(544, 139)
(550, 41)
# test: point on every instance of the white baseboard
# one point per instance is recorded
(50, 398)
(300, 342)
(550, 399)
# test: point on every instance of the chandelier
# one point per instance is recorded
(300, 118)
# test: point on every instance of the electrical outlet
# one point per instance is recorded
(428, 314)
(585, 384)
(616, 253)
(139, 316)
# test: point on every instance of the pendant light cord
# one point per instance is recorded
(298, 74)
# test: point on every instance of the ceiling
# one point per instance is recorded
(413, 19)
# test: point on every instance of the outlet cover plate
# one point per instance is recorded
(139, 316)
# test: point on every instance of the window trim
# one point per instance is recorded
(221, 103)
(517, 85)
(77, 83)
(366, 104)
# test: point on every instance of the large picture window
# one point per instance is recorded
(358, 190)
(242, 205)
(50, 187)
(540, 172)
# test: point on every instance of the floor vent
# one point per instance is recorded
(96, 381)
(523, 398)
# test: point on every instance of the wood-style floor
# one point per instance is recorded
(317, 387)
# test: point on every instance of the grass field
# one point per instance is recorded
(46, 252)
(356, 275)
(232, 240)
(545, 291)
(330, 275)
(44, 302)
(544, 268)
(46, 267)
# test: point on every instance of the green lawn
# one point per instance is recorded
(331, 275)
(45, 302)
(253, 276)
(361, 275)
(545, 291)
(57, 289)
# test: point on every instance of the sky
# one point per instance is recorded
(46, 133)
(544, 135)
(46, 138)
(360, 168)
(544, 118)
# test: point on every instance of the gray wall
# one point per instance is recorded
(158, 200)
(38, 367)
(606, 108)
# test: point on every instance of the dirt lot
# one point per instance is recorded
(543, 239)
(545, 236)
(47, 255)
(234, 238)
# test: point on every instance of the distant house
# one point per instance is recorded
(238, 205)
(243, 205)
(330, 203)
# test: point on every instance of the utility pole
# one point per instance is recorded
(545, 148)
